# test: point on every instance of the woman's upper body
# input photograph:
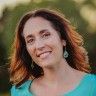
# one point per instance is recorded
(47, 48)
(86, 87)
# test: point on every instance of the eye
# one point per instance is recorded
(30, 41)
(46, 35)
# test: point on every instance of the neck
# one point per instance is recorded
(57, 73)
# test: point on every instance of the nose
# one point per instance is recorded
(39, 44)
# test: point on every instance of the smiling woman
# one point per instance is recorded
(43, 41)
(48, 58)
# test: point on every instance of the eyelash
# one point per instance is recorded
(46, 35)
(30, 40)
(43, 36)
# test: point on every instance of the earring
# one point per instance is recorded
(32, 66)
(65, 53)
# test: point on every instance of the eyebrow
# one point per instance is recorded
(29, 36)
(41, 32)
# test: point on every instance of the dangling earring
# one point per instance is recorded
(65, 53)
(32, 66)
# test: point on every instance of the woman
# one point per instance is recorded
(48, 58)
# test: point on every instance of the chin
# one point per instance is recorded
(46, 65)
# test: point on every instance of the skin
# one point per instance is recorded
(46, 49)
(41, 39)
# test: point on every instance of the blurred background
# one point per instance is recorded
(81, 13)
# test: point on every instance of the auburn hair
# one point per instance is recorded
(21, 62)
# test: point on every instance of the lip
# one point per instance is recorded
(38, 55)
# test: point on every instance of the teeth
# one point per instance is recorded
(44, 54)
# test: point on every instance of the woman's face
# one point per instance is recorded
(43, 42)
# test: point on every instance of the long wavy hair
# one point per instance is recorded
(21, 63)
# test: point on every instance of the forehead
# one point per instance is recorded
(36, 24)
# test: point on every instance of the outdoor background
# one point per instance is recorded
(82, 14)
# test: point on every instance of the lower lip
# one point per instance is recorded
(44, 55)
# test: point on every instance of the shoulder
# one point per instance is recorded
(91, 77)
(21, 90)
(90, 80)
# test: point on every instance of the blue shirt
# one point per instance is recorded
(87, 87)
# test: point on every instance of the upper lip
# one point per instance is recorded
(38, 54)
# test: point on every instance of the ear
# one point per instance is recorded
(63, 42)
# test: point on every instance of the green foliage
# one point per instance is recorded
(68, 7)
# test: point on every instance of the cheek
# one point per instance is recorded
(30, 51)
(59, 48)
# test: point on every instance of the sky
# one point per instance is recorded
(10, 4)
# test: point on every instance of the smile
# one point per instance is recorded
(44, 54)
